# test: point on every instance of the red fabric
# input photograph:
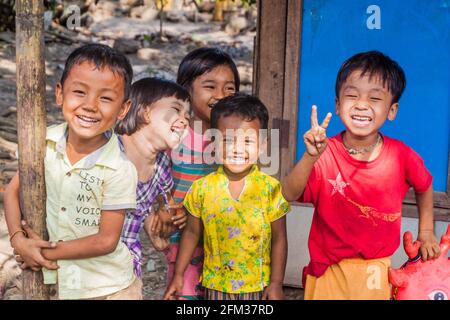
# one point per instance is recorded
(358, 203)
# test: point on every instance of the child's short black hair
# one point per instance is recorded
(201, 61)
(102, 56)
(374, 63)
(144, 93)
(244, 105)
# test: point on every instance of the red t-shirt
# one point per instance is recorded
(358, 204)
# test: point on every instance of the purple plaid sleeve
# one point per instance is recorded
(165, 176)
(146, 194)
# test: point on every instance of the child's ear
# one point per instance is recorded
(392, 113)
(59, 94)
(336, 105)
(124, 109)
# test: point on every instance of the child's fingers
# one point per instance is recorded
(436, 250)
(309, 138)
(152, 223)
(164, 230)
(51, 265)
(326, 121)
(46, 244)
(170, 294)
(31, 234)
(424, 253)
(179, 219)
(158, 226)
(314, 122)
(319, 136)
(175, 206)
(24, 266)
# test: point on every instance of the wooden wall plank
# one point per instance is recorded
(292, 78)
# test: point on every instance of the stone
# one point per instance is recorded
(245, 74)
(136, 12)
(173, 16)
(129, 3)
(127, 45)
(148, 53)
(194, 16)
(149, 14)
(151, 266)
(236, 25)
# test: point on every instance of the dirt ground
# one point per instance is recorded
(149, 57)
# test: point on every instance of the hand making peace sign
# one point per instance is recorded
(316, 137)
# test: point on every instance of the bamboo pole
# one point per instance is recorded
(31, 125)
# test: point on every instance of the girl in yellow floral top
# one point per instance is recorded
(239, 210)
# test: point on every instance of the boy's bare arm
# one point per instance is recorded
(293, 185)
(278, 260)
(188, 243)
(429, 247)
(99, 244)
(28, 248)
(189, 240)
(11, 201)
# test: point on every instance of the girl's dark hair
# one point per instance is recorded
(102, 56)
(201, 61)
(144, 93)
(374, 63)
(246, 106)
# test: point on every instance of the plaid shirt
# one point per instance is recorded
(146, 193)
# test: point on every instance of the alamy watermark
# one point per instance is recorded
(216, 147)
(374, 20)
(72, 12)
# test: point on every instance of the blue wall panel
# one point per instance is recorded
(415, 33)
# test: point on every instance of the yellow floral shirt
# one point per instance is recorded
(237, 233)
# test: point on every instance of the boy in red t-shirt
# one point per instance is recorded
(357, 181)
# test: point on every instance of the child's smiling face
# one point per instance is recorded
(364, 104)
(92, 100)
(168, 119)
(239, 146)
(209, 88)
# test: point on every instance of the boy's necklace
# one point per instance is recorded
(353, 150)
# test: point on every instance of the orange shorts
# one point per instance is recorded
(351, 279)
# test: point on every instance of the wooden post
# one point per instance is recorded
(31, 122)
(276, 71)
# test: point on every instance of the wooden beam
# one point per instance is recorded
(271, 54)
(31, 124)
(269, 66)
(292, 83)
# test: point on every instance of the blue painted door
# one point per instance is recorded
(415, 33)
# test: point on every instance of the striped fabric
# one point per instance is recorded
(188, 164)
(218, 295)
(184, 175)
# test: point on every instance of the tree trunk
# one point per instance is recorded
(31, 123)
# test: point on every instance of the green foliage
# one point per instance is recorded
(149, 38)
(248, 3)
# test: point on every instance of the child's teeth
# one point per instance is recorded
(237, 160)
(87, 119)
